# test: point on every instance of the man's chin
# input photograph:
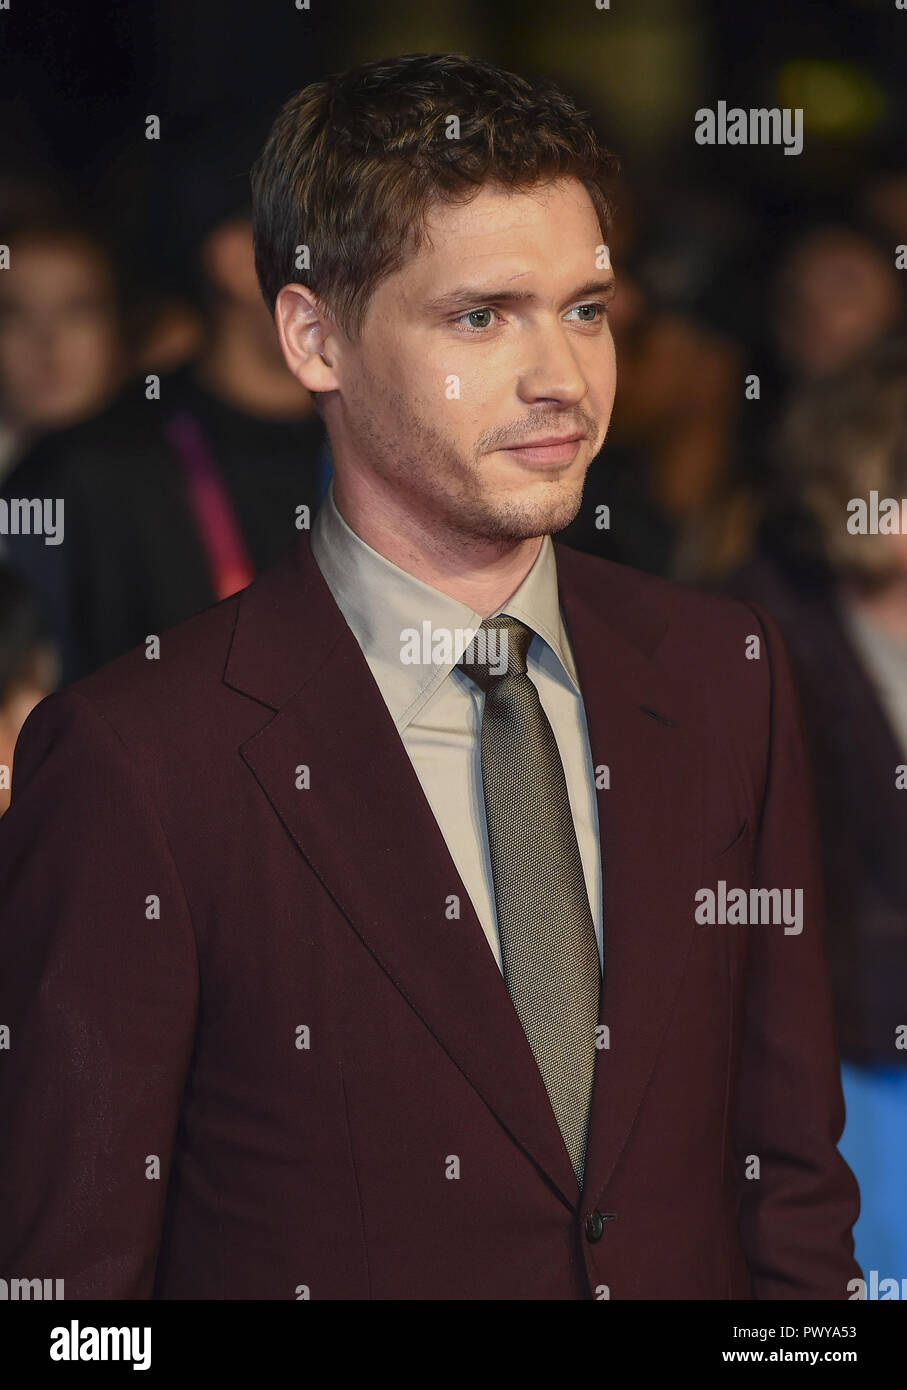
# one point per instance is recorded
(519, 517)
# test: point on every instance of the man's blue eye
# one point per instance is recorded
(598, 311)
(591, 313)
(474, 313)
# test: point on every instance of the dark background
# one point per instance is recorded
(78, 82)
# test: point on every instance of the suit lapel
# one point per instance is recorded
(368, 832)
(650, 833)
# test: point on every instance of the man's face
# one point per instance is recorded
(494, 335)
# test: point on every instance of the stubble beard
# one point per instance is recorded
(448, 491)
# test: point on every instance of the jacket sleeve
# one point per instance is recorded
(796, 1216)
(98, 991)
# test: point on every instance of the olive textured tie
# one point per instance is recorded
(547, 935)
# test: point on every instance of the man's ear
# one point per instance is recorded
(303, 329)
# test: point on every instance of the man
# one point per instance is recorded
(304, 917)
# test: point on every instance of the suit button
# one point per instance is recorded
(594, 1226)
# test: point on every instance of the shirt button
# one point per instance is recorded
(594, 1226)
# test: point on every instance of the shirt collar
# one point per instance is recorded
(380, 602)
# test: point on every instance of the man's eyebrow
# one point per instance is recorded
(467, 296)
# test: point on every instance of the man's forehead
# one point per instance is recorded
(497, 209)
(505, 240)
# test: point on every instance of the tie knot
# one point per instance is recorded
(498, 649)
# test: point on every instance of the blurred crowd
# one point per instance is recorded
(762, 385)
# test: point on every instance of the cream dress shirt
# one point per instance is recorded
(437, 710)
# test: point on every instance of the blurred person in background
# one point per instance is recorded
(680, 393)
(883, 201)
(171, 331)
(61, 339)
(670, 448)
(834, 294)
(619, 517)
(840, 599)
(837, 293)
(172, 503)
(27, 668)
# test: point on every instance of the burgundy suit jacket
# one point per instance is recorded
(251, 1055)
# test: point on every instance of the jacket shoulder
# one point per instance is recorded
(685, 614)
(169, 679)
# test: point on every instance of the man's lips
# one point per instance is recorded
(549, 448)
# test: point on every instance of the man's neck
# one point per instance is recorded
(480, 573)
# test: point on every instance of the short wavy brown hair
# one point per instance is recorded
(353, 164)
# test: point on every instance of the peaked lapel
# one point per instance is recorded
(650, 833)
(368, 831)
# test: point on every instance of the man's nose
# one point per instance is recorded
(551, 370)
